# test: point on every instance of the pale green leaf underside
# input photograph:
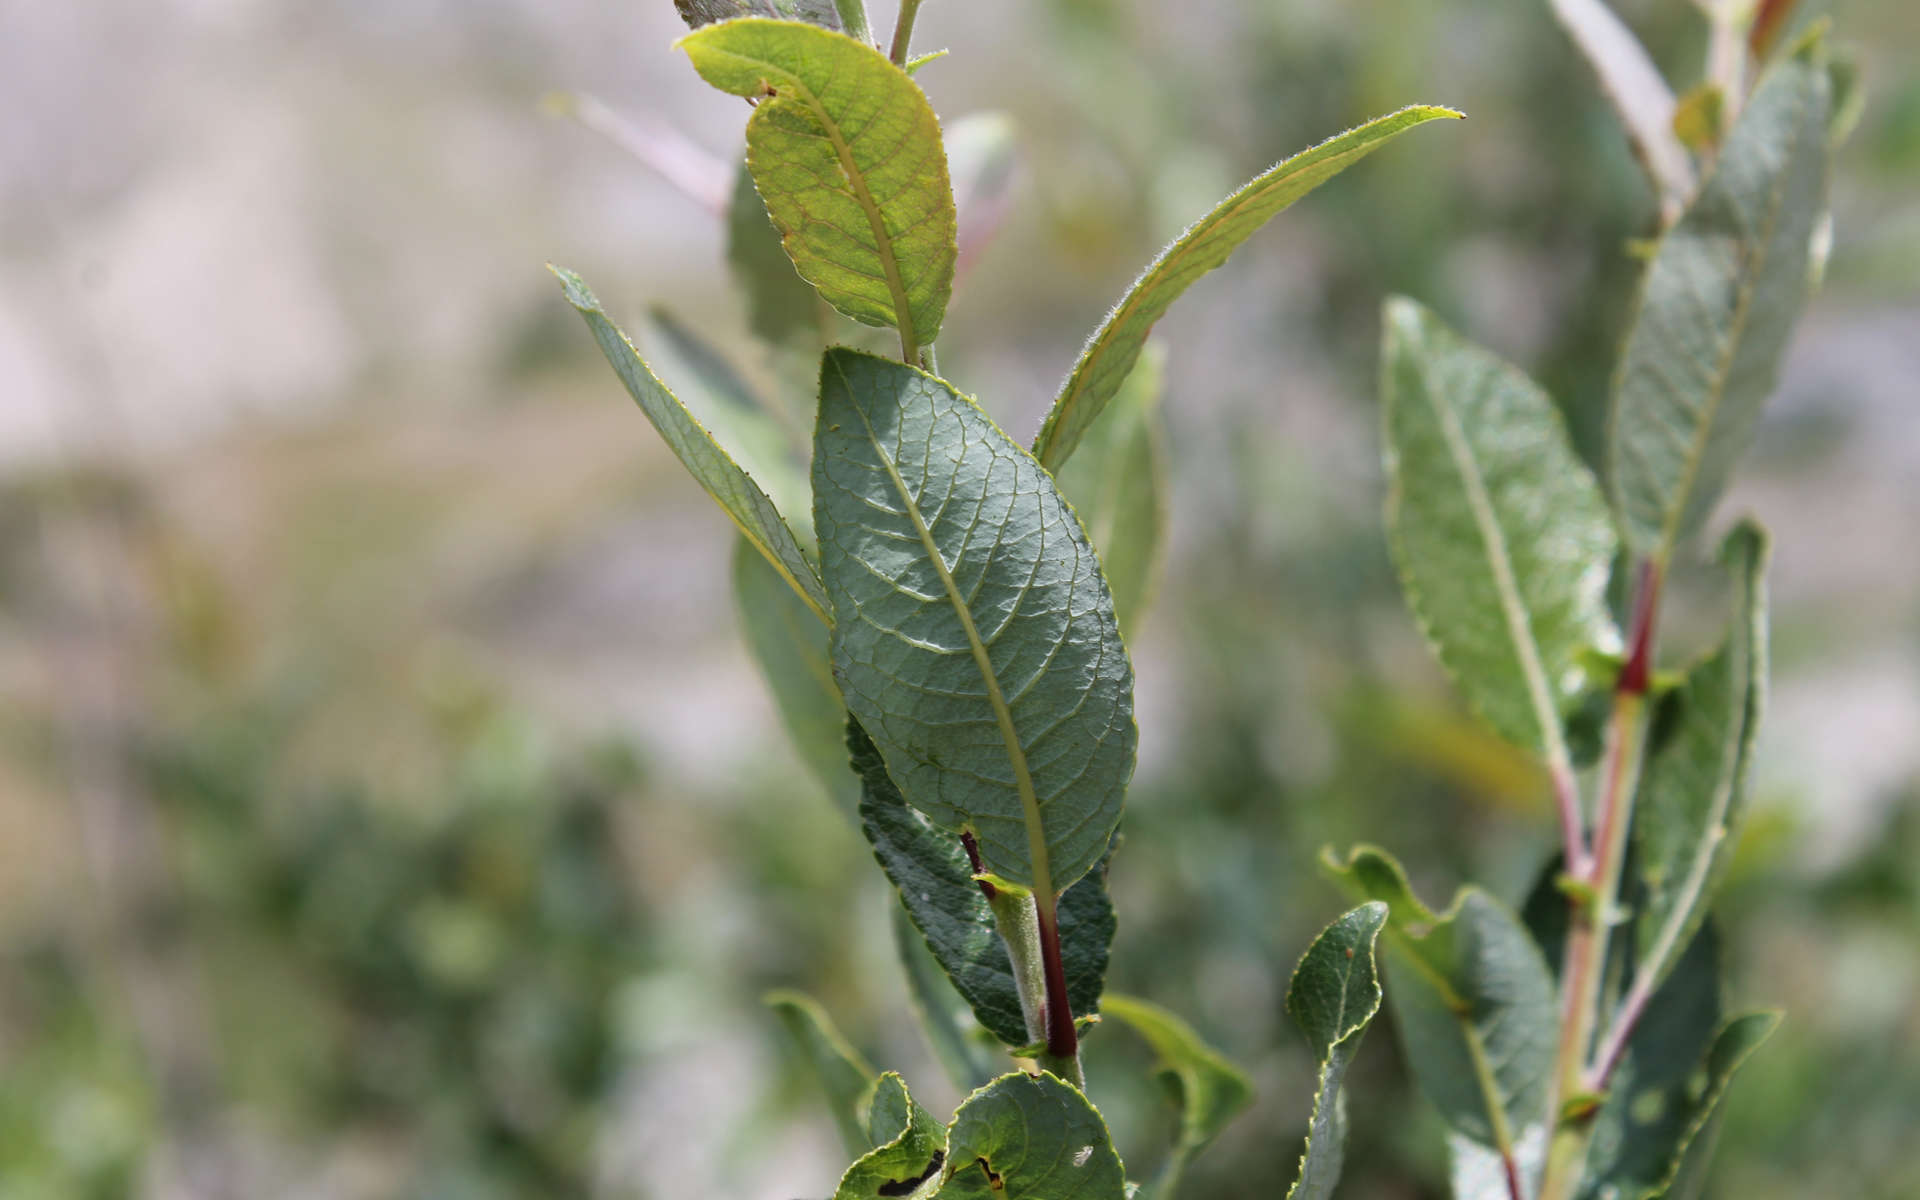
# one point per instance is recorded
(1718, 303)
(1693, 788)
(844, 1075)
(1025, 1137)
(846, 153)
(705, 12)
(908, 1148)
(1212, 1090)
(1117, 482)
(1334, 993)
(938, 892)
(1501, 535)
(1109, 356)
(975, 638)
(1473, 999)
(789, 644)
(739, 496)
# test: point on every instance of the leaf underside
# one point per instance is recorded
(975, 639)
(1111, 352)
(937, 890)
(1501, 535)
(846, 152)
(1334, 993)
(738, 495)
(1716, 307)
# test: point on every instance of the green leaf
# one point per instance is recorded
(1473, 1001)
(1118, 484)
(1208, 243)
(909, 1149)
(790, 647)
(742, 499)
(846, 152)
(782, 308)
(1334, 994)
(1212, 1090)
(1717, 305)
(1638, 92)
(1026, 1137)
(705, 12)
(845, 1076)
(1501, 535)
(929, 867)
(976, 641)
(950, 1034)
(1693, 787)
(1731, 1049)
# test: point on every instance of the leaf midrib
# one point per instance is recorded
(1513, 608)
(1103, 340)
(857, 185)
(996, 699)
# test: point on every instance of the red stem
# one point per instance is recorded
(1062, 1041)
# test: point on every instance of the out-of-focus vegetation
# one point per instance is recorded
(385, 805)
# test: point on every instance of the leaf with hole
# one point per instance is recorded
(909, 1148)
(1027, 1137)
(846, 153)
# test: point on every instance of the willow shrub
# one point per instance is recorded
(941, 613)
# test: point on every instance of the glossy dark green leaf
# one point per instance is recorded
(1212, 1090)
(1026, 1137)
(742, 499)
(1717, 306)
(1693, 787)
(844, 1075)
(1117, 482)
(846, 153)
(1501, 535)
(930, 868)
(705, 12)
(789, 644)
(1473, 1001)
(1335, 992)
(976, 641)
(1109, 355)
(909, 1149)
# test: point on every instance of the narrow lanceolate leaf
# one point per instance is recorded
(1334, 994)
(844, 1076)
(950, 1033)
(1693, 788)
(1208, 243)
(929, 867)
(976, 641)
(1501, 535)
(782, 308)
(1026, 1137)
(1638, 92)
(789, 645)
(705, 12)
(1118, 484)
(1718, 303)
(910, 1147)
(1735, 1044)
(1212, 1090)
(1473, 1001)
(846, 152)
(742, 499)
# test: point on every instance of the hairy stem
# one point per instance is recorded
(853, 19)
(903, 31)
(1571, 1102)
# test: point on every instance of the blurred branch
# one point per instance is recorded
(697, 173)
(1638, 93)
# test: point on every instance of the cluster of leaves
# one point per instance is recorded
(951, 607)
(1578, 1048)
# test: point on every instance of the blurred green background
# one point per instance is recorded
(388, 807)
